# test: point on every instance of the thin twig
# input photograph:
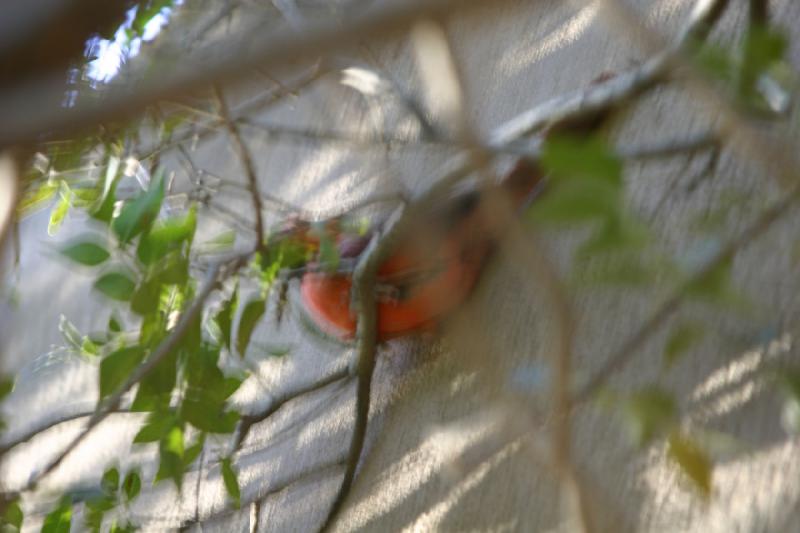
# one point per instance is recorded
(318, 474)
(256, 104)
(734, 125)
(248, 421)
(246, 160)
(200, 466)
(32, 433)
(197, 172)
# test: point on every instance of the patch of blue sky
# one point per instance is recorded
(110, 55)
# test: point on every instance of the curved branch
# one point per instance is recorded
(248, 421)
(246, 160)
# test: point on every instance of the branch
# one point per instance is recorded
(30, 434)
(254, 105)
(248, 421)
(616, 91)
(629, 348)
(364, 279)
(585, 103)
(246, 161)
(318, 473)
(197, 172)
(111, 404)
(282, 49)
(706, 140)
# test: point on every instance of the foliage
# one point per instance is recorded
(145, 261)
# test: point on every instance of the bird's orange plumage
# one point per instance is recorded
(423, 288)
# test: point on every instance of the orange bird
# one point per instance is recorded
(429, 274)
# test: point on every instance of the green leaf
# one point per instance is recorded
(146, 12)
(328, 251)
(84, 197)
(583, 159)
(70, 333)
(13, 516)
(173, 269)
(131, 485)
(174, 441)
(34, 200)
(86, 253)
(6, 386)
(155, 390)
(116, 285)
(219, 243)
(155, 427)
(622, 269)
(127, 528)
(682, 337)
(104, 209)
(117, 367)
(648, 413)
(231, 482)
(110, 481)
(616, 234)
(114, 324)
(137, 215)
(146, 298)
(574, 201)
(60, 210)
(153, 330)
(88, 347)
(204, 403)
(193, 451)
(171, 464)
(763, 47)
(692, 460)
(207, 415)
(59, 520)
(716, 61)
(716, 288)
(253, 311)
(224, 318)
(166, 236)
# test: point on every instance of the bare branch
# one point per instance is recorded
(256, 104)
(285, 48)
(246, 161)
(364, 280)
(674, 147)
(248, 421)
